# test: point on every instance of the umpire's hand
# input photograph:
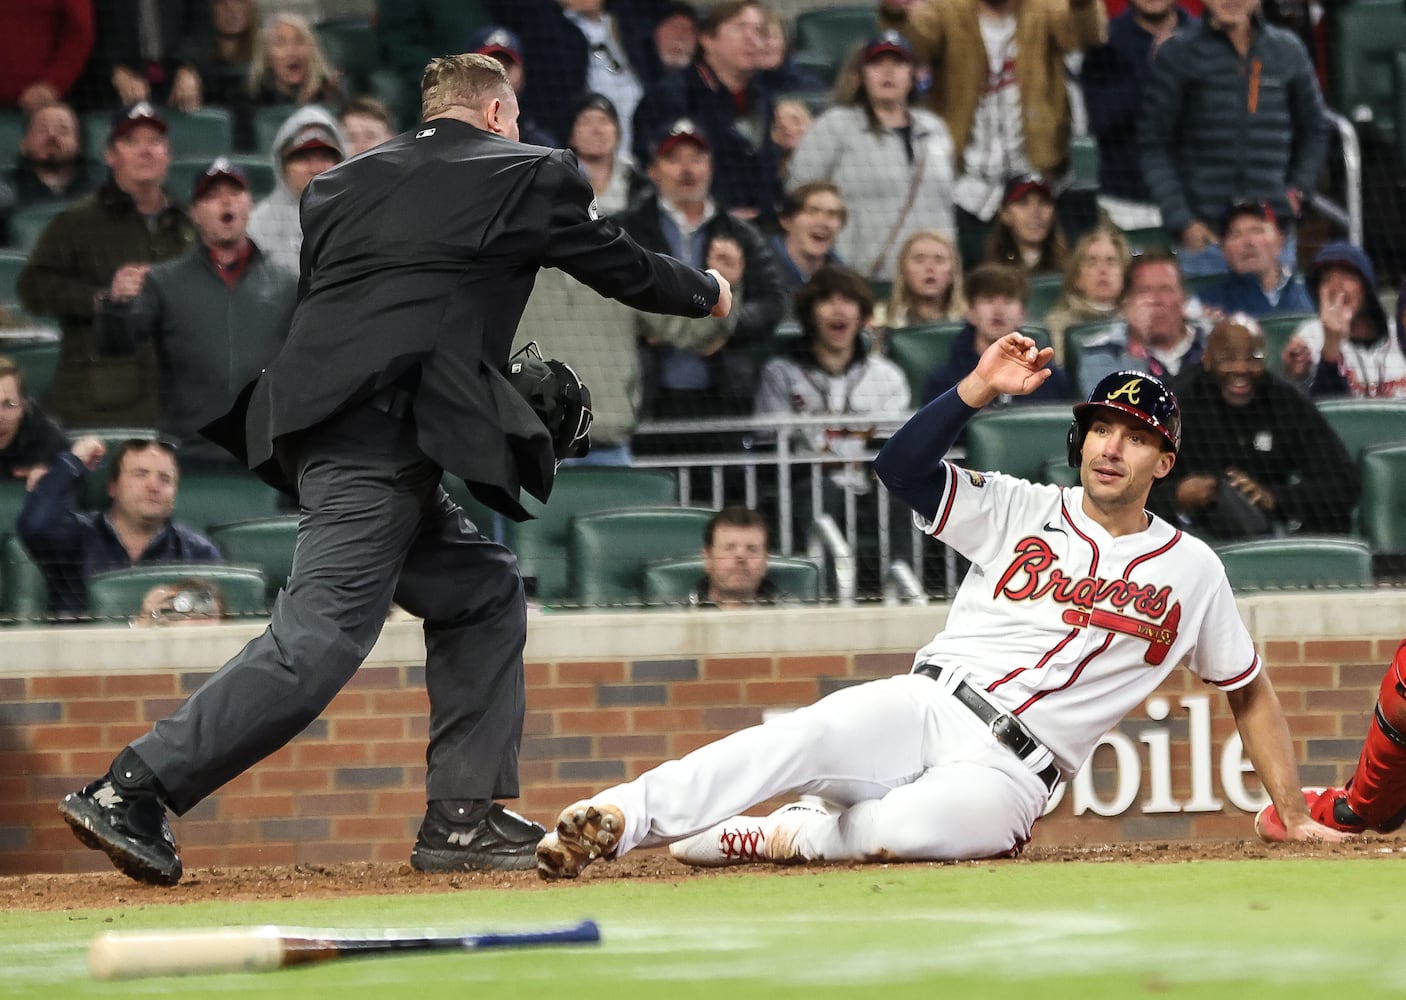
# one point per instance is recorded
(724, 305)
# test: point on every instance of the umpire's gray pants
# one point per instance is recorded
(375, 525)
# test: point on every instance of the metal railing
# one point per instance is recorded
(1349, 214)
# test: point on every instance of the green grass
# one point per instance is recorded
(1243, 929)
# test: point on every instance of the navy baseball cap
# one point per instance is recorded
(128, 118)
(889, 42)
(1245, 206)
(596, 102)
(220, 169)
(1019, 186)
(682, 130)
(494, 41)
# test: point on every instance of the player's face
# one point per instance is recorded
(1121, 458)
(1100, 277)
(994, 316)
(222, 215)
(145, 490)
(928, 269)
(813, 229)
(736, 561)
(11, 409)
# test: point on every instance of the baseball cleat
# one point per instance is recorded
(585, 832)
(1270, 828)
(129, 827)
(748, 839)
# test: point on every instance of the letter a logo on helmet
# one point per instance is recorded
(1137, 394)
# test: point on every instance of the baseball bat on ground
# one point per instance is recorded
(125, 955)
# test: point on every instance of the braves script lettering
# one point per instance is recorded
(1032, 575)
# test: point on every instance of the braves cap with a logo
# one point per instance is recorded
(890, 43)
(134, 115)
(221, 169)
(313, 135)
(496, 41)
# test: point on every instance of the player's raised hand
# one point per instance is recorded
(1013, 366)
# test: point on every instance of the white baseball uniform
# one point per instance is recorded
(1058, 624)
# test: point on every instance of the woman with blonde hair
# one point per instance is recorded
(288, 68)
(891, 159)
(1093, 282)
(928, 287)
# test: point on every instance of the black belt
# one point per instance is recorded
(1004, 726)
(394, 402)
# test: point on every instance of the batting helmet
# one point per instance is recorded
(558, 396)
(1136, 394)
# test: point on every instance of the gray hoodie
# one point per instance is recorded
(274, 224)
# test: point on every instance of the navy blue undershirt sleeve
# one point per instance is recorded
(910, 463)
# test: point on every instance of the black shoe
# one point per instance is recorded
(500, 840)
(129, 827)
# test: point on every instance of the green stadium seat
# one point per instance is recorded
(608, 550)
(1083, 162)
(921, 350)
(11, 132)
(267, 122)
(1398, 102)
(28, 224)
(37, 359)
(1079, 335)
(11, 264)
(1367, 39)
(1044, 293)
(266, 543)
(1365, 423)
(1059, 472)
(1277, 332)
(26, 592)
(826, 37)
(12, 494)
(1308, 562)
(1382, 510)
(541, 544)
(207, 499)
(117, 594)
(351, 45)
(1018, 440)
(671, 581)
(1143, 240)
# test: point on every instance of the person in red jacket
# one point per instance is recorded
(43, 47)
(1375, 796)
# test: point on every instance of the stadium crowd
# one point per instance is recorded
(925, 188)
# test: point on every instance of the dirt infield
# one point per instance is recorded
(305, 881)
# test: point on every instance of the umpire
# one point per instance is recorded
(418, 258)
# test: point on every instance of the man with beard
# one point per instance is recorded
(216, 314)
(51, 168)
(1259, 458)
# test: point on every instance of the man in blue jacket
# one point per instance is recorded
(1232, 110)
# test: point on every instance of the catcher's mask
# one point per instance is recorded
(557, 395)
(1137, 394)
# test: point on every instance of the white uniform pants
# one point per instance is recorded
(915, 773)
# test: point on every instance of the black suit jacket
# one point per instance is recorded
(418, 258)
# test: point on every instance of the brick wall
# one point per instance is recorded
(350, 787)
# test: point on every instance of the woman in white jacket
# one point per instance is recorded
(892, 161)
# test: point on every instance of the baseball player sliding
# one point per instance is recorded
(1077, 605)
